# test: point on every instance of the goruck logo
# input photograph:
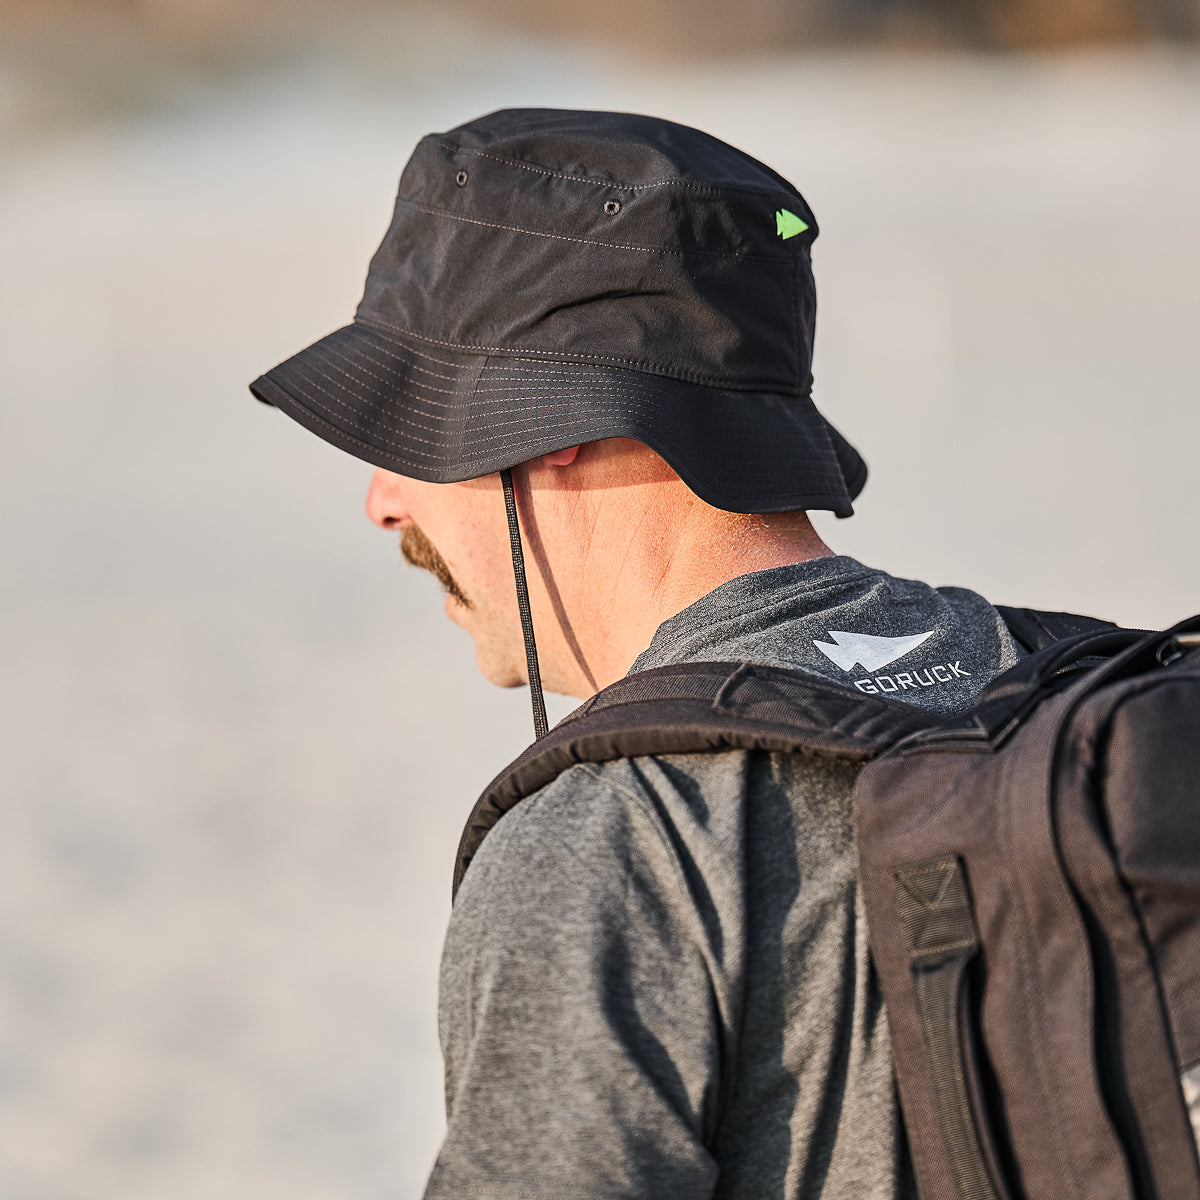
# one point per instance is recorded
(866, 650)
(787, 224)
(870, 652)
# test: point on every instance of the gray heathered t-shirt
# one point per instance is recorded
(656, 982)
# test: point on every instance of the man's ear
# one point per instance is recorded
(561, 458)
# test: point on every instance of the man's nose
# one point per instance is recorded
(385, 503)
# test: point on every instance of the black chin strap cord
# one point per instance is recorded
(540, 724)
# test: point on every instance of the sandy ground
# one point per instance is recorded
(238, 737)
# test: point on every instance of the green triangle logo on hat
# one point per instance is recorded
(787, 224)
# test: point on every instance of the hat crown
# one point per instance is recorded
(623, 149)
(600, 237)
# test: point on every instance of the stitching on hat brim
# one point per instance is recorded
(567, 357)
(301, 412)
(544, 388)
(523, 437)
(506, 424)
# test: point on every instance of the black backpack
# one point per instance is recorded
(1031, 873)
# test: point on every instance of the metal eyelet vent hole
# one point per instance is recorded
(612, 207)
(461, 179)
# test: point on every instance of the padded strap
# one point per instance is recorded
(1035, 629)
(689, 707)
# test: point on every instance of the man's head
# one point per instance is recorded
(552, 279)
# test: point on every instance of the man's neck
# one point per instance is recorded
(618, 544)
(662, 570)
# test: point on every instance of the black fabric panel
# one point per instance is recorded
(1137, 1067)
(682, 278)
(1152, 805)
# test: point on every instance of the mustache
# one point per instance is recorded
(419, 551)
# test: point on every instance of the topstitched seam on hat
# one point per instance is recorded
(411, 349)
(465, 390)
(503, 436)
(570, 371)
(573, 384)
(636, 364)
(402, 419)
(582, 378)
(399, 415)
(564, 237)
(694, 185)
(637, 409)
(381, 429)
(568, 388)
(811, 499)
(314, 407)
(587, 386)
(508, 391)
(521, 419)
(411, 452)
(391, 385)
(386, 382)
(602, 384)
(583, 388)
(505, 403)
(711, 382)
(407, 390)
(502, 414)
(509, 379)
(362, 354)
(412, 366)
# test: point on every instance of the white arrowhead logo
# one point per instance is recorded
(867, 650)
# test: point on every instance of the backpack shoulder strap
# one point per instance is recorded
(1035, 629)
(688, 707)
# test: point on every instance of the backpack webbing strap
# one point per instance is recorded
(934, 908)
(689, 707)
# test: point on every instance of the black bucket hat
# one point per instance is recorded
(556, 277)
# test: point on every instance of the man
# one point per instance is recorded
(587, 338)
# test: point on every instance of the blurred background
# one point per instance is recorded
(237, 737)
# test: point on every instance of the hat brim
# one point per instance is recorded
(444, 415)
